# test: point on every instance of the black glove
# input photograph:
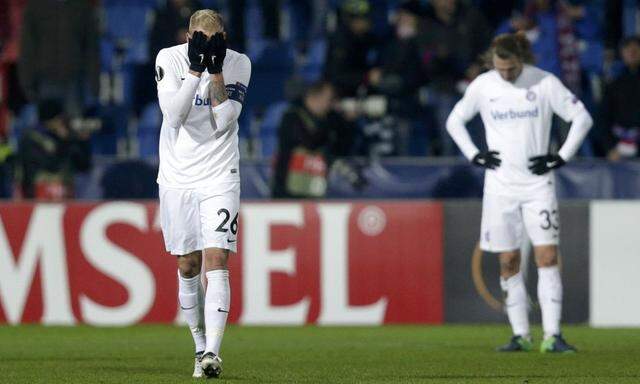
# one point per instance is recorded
(489, 160)
(217, 50)
(543, 164)
(197, 51)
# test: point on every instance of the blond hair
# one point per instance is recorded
(206, 19)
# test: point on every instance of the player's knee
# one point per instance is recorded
(509, 263)
(546, 256)
(216, 258)
(189, 265)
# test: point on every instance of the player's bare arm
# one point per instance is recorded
(513, 85)
(218, 91)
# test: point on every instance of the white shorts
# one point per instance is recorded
(505, 218)
(195, 219)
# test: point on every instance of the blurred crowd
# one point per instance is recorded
(331, 80)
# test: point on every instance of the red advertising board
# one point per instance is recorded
(322, 263)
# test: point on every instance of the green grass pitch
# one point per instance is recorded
(402, 354)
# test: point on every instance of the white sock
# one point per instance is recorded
(516, 304)
(550, 297)
(191, 298)
(216, 308)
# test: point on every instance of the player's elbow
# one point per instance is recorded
(225, 115)
(225, 122)
(452, 123)
(172, 117)
(175, 122)
(583, 120)
(588, 120)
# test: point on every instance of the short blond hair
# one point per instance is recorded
(206, 19)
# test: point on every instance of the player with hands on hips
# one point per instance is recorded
(516, 102)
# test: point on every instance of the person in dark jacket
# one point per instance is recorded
(311, 137)
(454, 37)
(621, 108)
(51, 154)
(621, 19)
(352, 49)
(59, 55)
(400, 74)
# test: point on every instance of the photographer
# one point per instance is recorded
(310, 138)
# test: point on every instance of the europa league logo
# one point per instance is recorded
(159, 73)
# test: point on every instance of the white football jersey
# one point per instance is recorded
(194, 152)
(517, 119)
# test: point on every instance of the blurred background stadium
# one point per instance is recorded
(397, 68)
(79, 126)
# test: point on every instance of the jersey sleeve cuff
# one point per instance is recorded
(564, 156)
(190, 77)
(224, 105)
(472, 154)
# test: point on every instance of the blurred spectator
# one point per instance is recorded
(622, 20)
(270, 11)
(497, 11)
(308, 21)
(59, 55)
(621, 106)
(310, 138)
(399, 76)
(550, 25)
(352, 49)
(51, 153)
(454, 37)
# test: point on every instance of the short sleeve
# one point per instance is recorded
(469, 105)
(563, 102)
(237, 79)
(167, 76)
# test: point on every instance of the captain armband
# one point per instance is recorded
(236, 92)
